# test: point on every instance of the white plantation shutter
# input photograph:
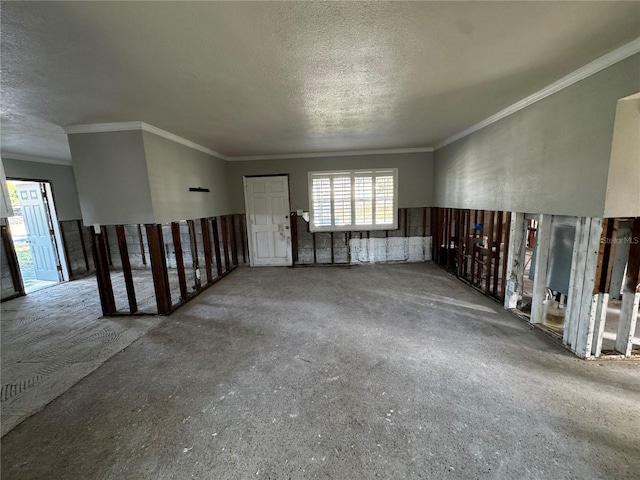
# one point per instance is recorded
(355, 200)
(342, 200)
(322, 201)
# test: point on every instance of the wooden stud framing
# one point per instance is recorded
(177, 246)
(576, 281)
(12, 260)
(159, 268)
(144, 257)
(225, 243)
(106, 242)
(105, 289)
(588, 303)
(541, 267)
(600, 319)
(216, 246)
(234, 246)
(206, 243)
(65, 247)
(84, 247)
(630, 294)
(505, 253)
(489, 256)
(193, 241)
(126, 268)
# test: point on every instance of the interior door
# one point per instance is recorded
(268, 224)
(36, 220)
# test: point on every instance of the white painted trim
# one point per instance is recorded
(128, 126)
(183, 141)
(347, 153)
(589, 69)
(29, 158)
(103, 127)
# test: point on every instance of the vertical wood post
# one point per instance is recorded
(12, 259)
(234, 245)
(505, 253)
(489, 260)
(105, 289)
(543, 244)
(294, 237)
(159, 268)
(177, 246)
(515, 255)
(225, 243)
(216, 245)
(193, 241)
(126, 268)
(630, 294)
(206, 242)
(144, 256)
(84, 247)
(105, 234)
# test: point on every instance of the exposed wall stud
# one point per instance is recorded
(126, 268)
(177, 247)
(630, 294)
(103, 277)
(159, 268)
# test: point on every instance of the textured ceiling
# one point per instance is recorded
(246, 78)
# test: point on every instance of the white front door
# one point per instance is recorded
(268, 224)
(36, 220)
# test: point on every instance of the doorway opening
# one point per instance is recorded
(36, 235)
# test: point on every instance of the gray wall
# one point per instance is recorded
(415, 176)
(112, 179)
(173, 168)
(623, 185)
(551, 157)
(63, 183)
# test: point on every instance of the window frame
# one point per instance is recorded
(352, 227)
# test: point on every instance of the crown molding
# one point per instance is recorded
(589, 69)
(347, 153)
(30, 158)
(128, 126)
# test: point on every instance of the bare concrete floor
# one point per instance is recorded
(54, 337)
(393, 371)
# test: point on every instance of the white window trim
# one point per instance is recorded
(353, 227)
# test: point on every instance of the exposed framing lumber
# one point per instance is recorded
(105, 233)
(232, 239)
(177, 247)
(505, 252)
(206, 243)
(543, 243)
(144, 256)
(216, 245)
(576, 281)
(126, 268)
(159, 268)
(225, 243)
(65, 247)
(630, 294)
(600, 317)
(105, 289)
(489, 256)
(12, 260)
(193, 241)
(84, 247)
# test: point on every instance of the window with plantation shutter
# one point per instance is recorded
(353, 200)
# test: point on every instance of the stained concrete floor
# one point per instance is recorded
(53, 338)
(392, 371)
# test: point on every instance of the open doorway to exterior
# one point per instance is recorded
(36, 236)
